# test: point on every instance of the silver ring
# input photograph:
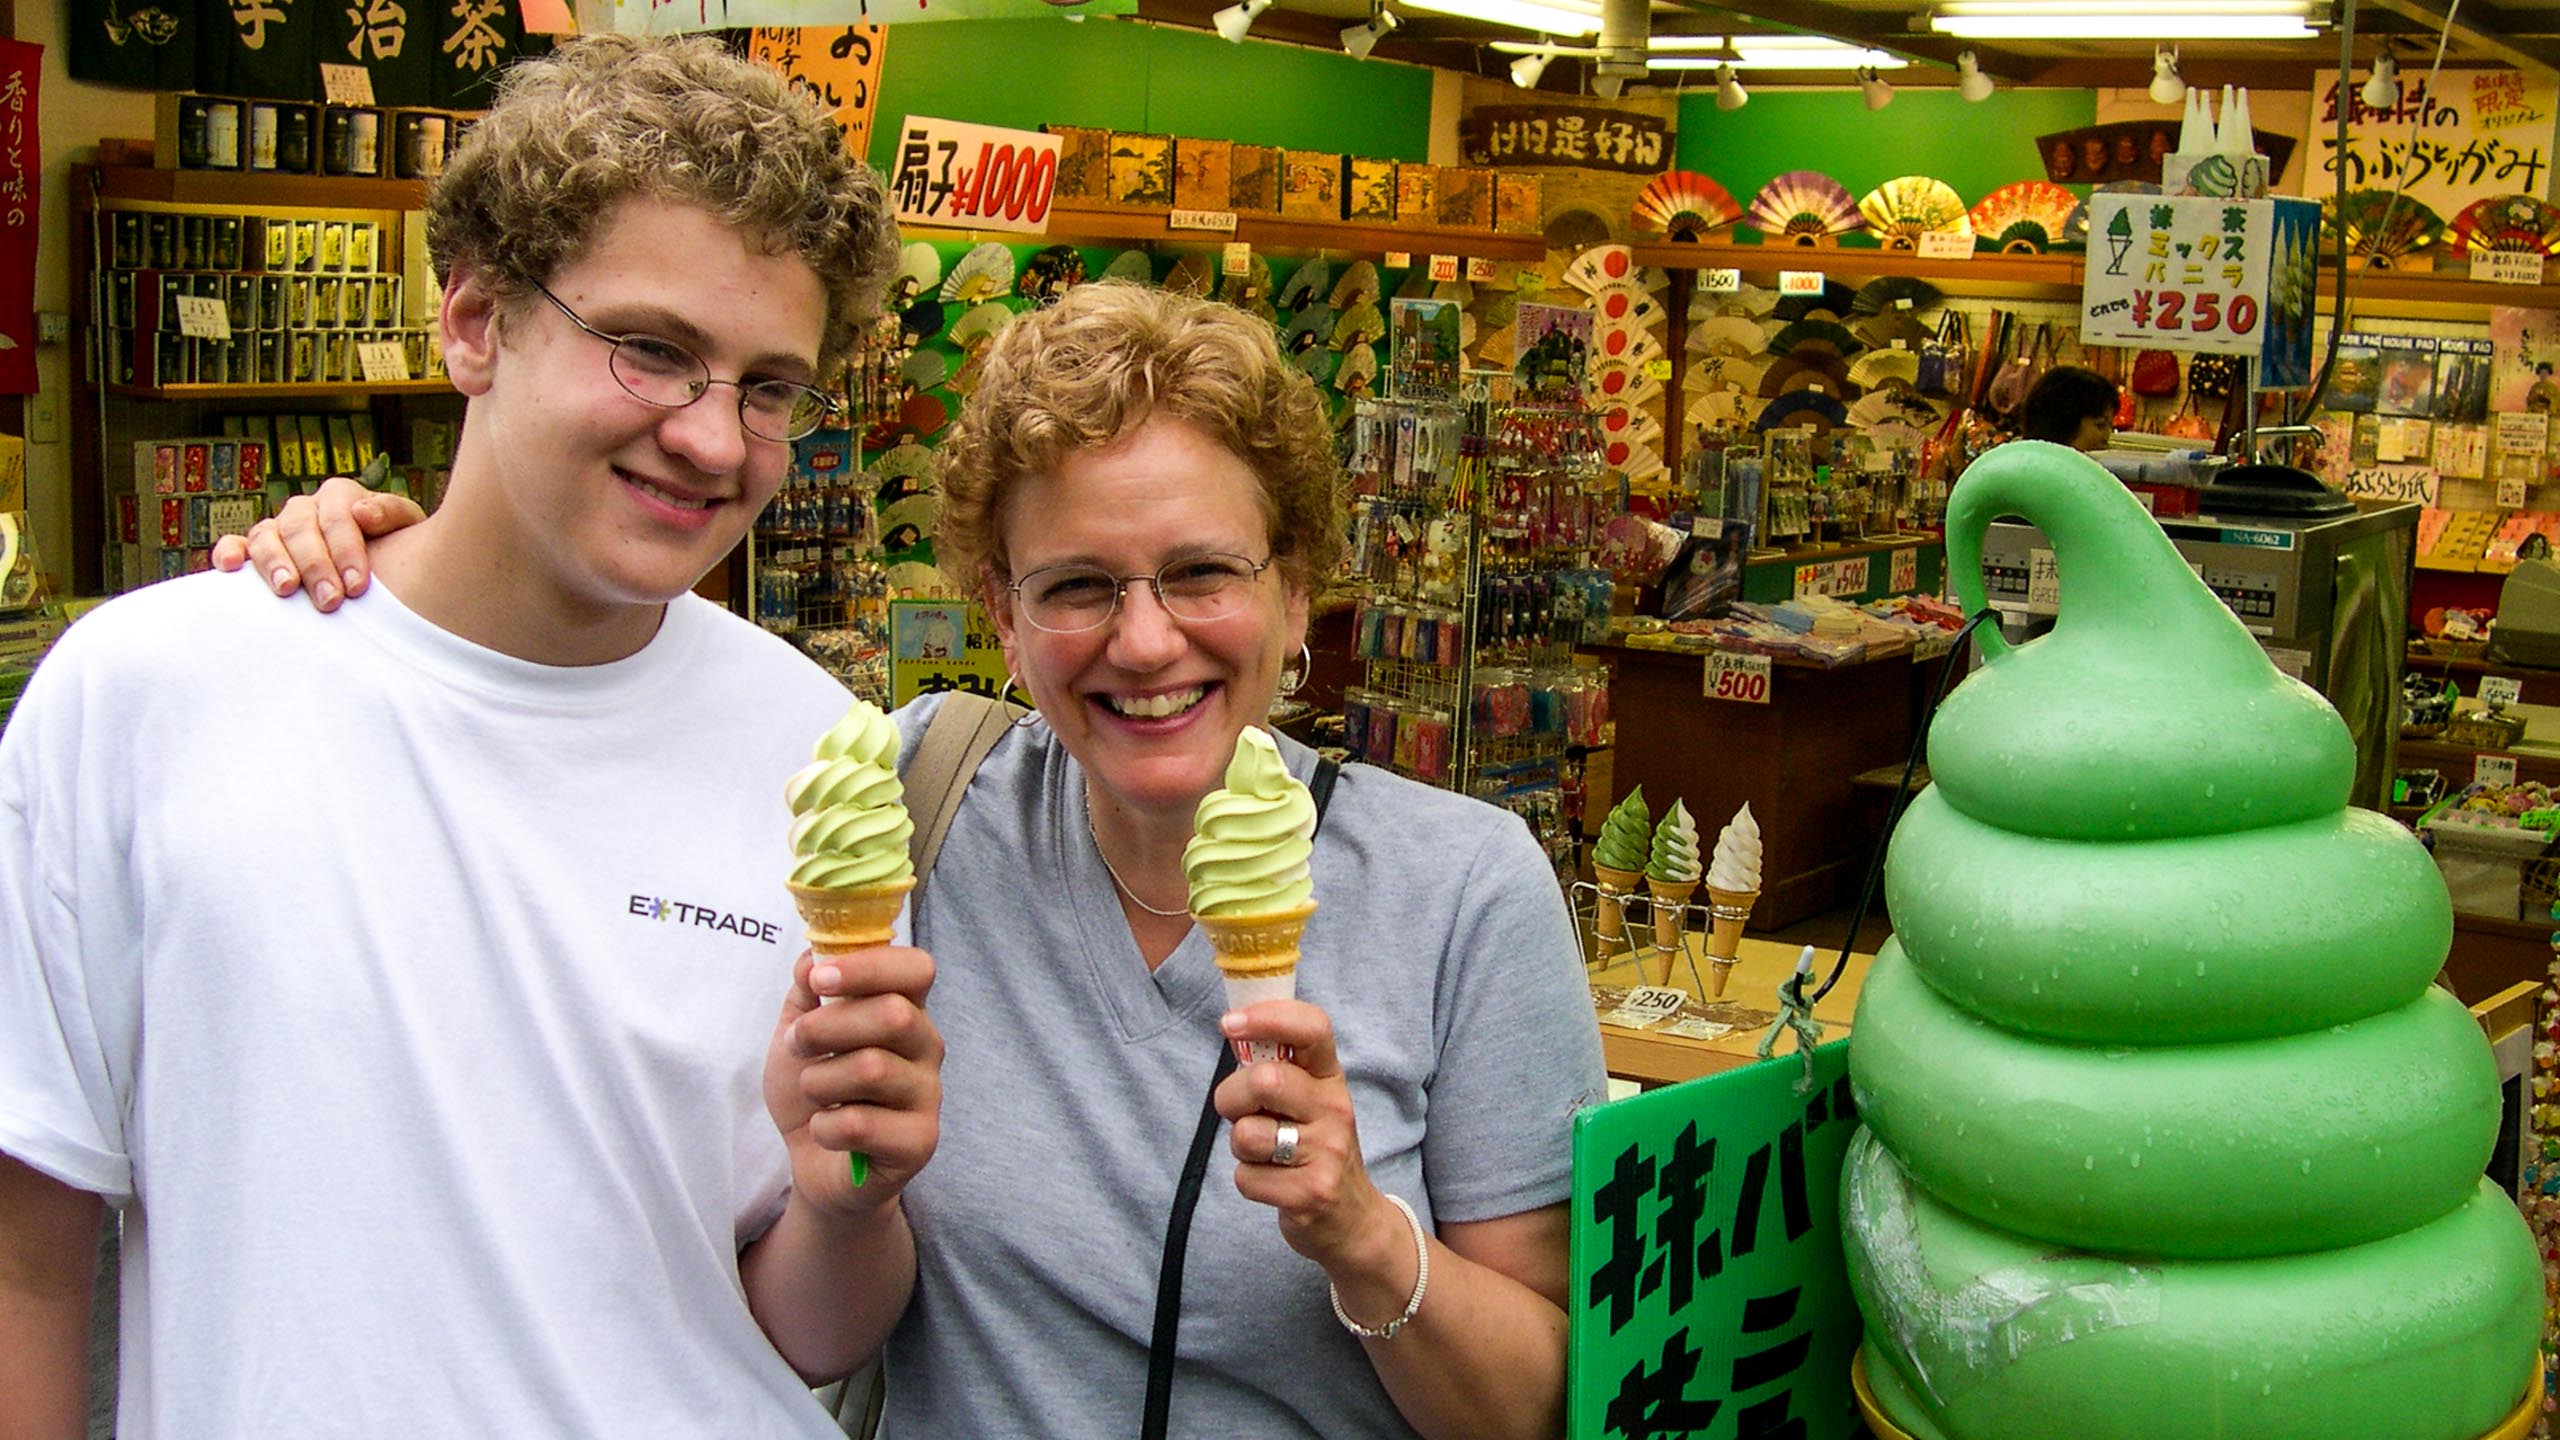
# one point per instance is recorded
(1284, 1149)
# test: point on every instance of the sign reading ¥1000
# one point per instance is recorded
(2205, 274)
(974, 177)
(1709, 1296)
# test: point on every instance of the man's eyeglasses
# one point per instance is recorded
(663, 373)
(1071, 599)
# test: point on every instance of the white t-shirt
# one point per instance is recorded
(414, 999)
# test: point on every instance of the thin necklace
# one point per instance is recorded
(1107, 869)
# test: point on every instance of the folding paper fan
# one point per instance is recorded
(919, 270)
(1319, 363)
(1359, 372)
(923, 319)
(1131, 265)
(1629, 422)
(1882, 330)
(1619, 382)
(1684, 205)
(1903, 209)
(1309, 330)
(924, 414)
(1724, 372)
(982, 274)
(1306, 286)
(1193, 274)
(1836, 300)
(1496, 309)
(2028, 217)
(1416, 284)
(1837, 336)
(2075, 229)
(1048, 273)
(2507, 222)
(1723, 407)
(1827, 376)
(1358, 286)
(925, 369)
(1624, 305)
(1600, 265)
(1726, 335)
(1803, 207)
(980, 324)
(1359, 325)
(1802, 407)
(1896, 292)
(1636, 347)
(1248, 287)
(2381, 227)
(1877, 367)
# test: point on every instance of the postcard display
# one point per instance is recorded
(1472, 527)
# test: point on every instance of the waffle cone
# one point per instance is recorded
(1669, 916)
(1727, 912)
(1615, 885)
(850, 918)
(1257, 946)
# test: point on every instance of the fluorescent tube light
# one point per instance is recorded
(1560, 17)
(2123, 27)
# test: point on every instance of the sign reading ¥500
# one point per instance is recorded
(974, 177)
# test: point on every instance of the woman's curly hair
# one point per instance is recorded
(1094, 367)
(612, 117)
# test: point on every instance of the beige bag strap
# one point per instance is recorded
(955, 742)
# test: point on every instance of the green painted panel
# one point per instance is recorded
(1977, 148)
(1122, 76)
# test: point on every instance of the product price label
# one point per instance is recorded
(1221, 221)
(1946, 244)
(1237, 259)
(2500, 691)
(1479, 270)
(1738, 677)
(346, 84)
(1833, 577)
(382, 361)
(1799, 282)
(1399, 259)
(1719, 282)
(2498, 770)
(1444, 269)
(2511, 493)
(975, 177)
(203, 317)
(2522, 432)
(1645, 1007)
(2044, 581)
(1906, 571)
(2507, 267)
(1707, 527)
(1658, 370)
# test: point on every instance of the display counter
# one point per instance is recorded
(1795, 759)
(1749, 1005)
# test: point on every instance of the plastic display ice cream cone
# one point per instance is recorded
(1618, 861)
(1671, 877)
(1247, 869)
(1670, 904)
(1733, 886)
(1615, 886)
(1727, 912)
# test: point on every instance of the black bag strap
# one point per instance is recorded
(1186, 1198)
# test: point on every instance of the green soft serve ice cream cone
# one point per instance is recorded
(2168, 1137)
(1618, 861)
(1247, 868)
(1671, 873)
(850, 870)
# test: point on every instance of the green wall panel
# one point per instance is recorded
(1123, 76)
(1976, 148)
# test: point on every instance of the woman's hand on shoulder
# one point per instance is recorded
(317, 544)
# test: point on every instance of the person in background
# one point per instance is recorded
(1143, 492)
(419, 984)
(2070, 406)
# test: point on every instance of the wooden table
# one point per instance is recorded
(1749, 1004)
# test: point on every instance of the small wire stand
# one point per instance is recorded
(1636, 941)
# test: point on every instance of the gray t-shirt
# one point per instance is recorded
(1444, 954)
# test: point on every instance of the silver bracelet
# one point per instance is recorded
(1421, 1282)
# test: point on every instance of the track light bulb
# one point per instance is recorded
(1971, 83)
(1526, 70)
(2168, 87)
(1358, 40)
(2382, 88)
(1729, 92)
(1236, 19)
(1872, 85)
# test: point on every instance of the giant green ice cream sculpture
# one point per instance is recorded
(2168, 1135)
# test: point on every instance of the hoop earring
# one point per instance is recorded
(1028, 717)
(1293, 678)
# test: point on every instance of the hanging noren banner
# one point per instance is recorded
(21, 162)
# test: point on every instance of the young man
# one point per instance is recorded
(483, 1100)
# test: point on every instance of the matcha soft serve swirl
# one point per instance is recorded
(849, 823)
(1251, 837)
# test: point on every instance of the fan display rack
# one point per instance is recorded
(1468, 523)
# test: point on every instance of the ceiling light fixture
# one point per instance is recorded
(1358, 40)
(1872, 86)
(1971, 83)
(2168, 87)
(1526, 70)
(1555, 17)
(2126, 19)
(1236, 19)
(2382, 88)
(1729, 92)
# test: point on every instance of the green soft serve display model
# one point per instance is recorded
(2167, 1134)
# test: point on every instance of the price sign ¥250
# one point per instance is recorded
(974, 177)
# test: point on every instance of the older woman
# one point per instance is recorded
(1143, 492)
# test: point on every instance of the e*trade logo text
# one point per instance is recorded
(680, 912)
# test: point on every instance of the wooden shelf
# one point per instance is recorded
(281, 392)
(256, 191)
(1144, 225)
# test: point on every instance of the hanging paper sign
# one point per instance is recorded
(21, 162)
(838, 66)
(2468, 135)
(1236, 259)
(2213, 276)
(943, 645)
(1732, 676)
(346, 84)
(1628, 141)
(1710, 1298)
(2507, 267)
(1833, 577)
(2391, 482)
(1906, 572)
(675, 17)
(1946, 245)
(974, 177)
